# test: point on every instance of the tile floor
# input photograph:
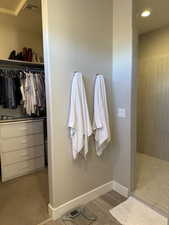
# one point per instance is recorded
(153, 182)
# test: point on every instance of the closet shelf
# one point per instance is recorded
(20, 63)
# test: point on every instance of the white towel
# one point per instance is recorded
(79, 121)
(101, 116)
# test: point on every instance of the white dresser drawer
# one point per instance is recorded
(13, 144)
(17, 129)
(21, 168)
(8, 158)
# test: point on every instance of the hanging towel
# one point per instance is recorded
(79, 121)
(101, 116)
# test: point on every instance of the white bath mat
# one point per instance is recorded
(134, 212)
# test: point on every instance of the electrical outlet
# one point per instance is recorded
(121, 113)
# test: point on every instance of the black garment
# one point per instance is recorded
(9, 98)
(1, 90)
(4, 92)
(10, 94)
(18, 94)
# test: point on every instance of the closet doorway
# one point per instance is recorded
(24, 194)
(152, 174)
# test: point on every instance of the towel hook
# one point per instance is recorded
(75, 72)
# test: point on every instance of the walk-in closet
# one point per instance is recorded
(23, 130)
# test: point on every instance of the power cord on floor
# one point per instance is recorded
(84, 214)
(70, 216)
(64, 218)
(73, 222)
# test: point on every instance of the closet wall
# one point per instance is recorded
(16, 32)
(153, 95)
(24, 30)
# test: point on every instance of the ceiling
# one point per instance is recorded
(159, 17)
(10, 5)
(14, 7)
(26, 19)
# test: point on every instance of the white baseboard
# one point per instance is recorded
(58, 212)
(120, 189)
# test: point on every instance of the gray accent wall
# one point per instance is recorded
(91, 37)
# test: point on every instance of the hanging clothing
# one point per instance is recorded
(10, 95)
(18, 95)
(33, 93)
(30, 95)
(101, 116)
(1, 90)
(23, 88)
(79, 121)
(40, 91)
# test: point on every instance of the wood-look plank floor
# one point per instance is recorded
(99, 207)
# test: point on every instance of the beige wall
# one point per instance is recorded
(13, 36)
(78, 36)
(123, 92)
(153, 94)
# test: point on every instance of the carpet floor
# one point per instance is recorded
(24, 201)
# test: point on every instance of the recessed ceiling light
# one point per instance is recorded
(146, 13)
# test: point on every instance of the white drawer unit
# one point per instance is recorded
(21, 148)
(21, 168)
(9, 130)
(8, 158)
(13, 144)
